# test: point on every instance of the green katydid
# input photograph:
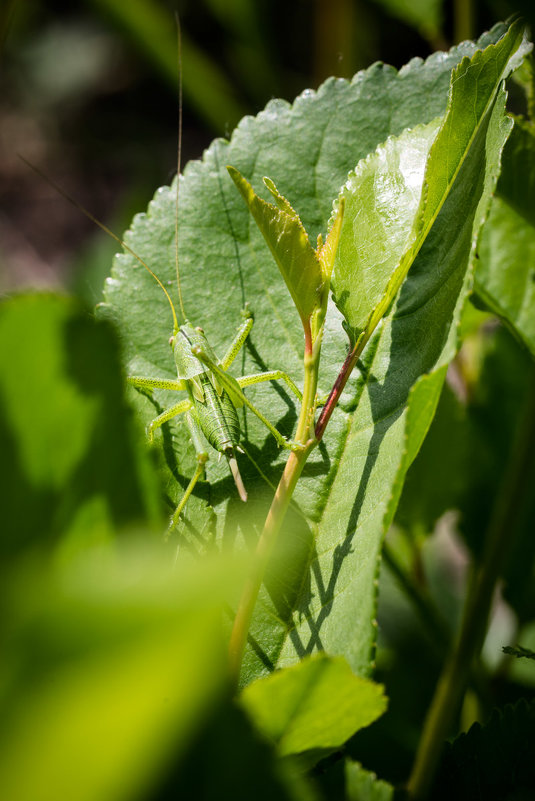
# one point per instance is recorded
(213, 396)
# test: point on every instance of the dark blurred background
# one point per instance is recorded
(88, 92)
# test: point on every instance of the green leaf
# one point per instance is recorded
(322, 595)
(316, 704)
(472, 91)
(415, 341)
(110, 667)
(362, 785)
(505, 274)
(289, 243)
(74, 468)
(378, 241)
(438, 476)
(394, 198)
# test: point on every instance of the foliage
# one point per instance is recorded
(117, 684)
(491, 761)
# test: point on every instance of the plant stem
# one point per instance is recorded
(274, 520)
(451, 685)
(341, 380)
(264, 549)
(309, 437)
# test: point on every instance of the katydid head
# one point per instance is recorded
(185, 343)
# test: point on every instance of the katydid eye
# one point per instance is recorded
(199, 329)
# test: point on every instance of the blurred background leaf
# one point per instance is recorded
(494, 761)
(446, 507)
(89, 92)
(505, 275)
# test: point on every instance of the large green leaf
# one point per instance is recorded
(348, 490)
(505, 274)
(418, 337)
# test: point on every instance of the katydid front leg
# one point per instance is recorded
(202, 458)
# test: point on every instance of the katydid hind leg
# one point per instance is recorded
(238, 341)
(143, 382)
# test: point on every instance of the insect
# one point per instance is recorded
(213, 396)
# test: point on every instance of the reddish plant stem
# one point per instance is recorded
(341, 380)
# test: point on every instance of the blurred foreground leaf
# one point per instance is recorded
(109, 668)
(74, 468)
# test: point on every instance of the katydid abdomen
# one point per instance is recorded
(218, 421)
(212, 408)
(216, 416)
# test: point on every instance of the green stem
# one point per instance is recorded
(274, 520)
(452, 683)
